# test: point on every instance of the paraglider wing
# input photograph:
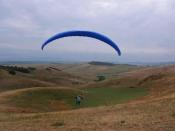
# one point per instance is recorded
(84, 34)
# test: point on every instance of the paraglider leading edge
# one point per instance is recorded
(83, 34)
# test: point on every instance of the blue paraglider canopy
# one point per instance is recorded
(84, 34)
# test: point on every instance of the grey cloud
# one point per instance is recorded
(141, 27)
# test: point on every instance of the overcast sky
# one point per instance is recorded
(143, 29)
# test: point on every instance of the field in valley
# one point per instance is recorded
(129, 98)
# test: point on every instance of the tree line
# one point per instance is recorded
(12, 69)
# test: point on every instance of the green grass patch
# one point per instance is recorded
(45, 100)
(110, 96)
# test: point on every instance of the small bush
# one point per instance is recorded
(31, 68)
(122, 122)
(101, 78)
(48, 69)
(132, 87)
(60, 123)
(173, 114)
(75, 83)
(12, 72)
(12, 69)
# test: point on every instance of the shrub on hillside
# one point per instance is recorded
(31, 68)
(15, 68)
(101, 78)
(12, 72)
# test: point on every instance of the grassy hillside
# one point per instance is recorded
(40, 77)
(152, 115)
(56, 99)
(19, 80)
(159, 80)
(93, 69)
(111, 95)
(142, 99)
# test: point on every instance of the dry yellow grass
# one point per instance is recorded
(151, 113)
(41, 77)
(154, 115)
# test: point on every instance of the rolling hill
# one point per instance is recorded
(91, 70)
(140, 99)
(159, 80)
(40, 77)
